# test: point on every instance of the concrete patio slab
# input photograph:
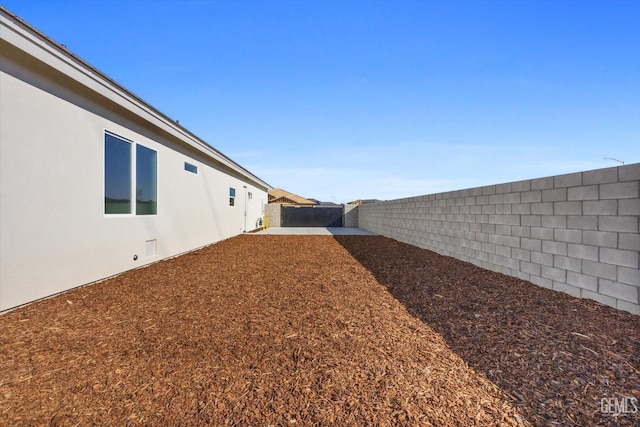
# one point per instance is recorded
(335, 231)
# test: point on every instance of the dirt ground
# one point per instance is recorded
(316, 330)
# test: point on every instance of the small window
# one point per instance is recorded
(190, 168)
(250, 196)
(232, 196)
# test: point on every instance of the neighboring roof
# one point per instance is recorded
(359, 201)
(23, 36)
(278, 195)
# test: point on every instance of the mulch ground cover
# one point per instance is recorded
(561, 360)
(315, 330)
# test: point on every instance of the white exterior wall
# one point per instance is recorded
(54, 234)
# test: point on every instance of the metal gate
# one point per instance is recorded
(311, 216)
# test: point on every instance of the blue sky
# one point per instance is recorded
(340, 100)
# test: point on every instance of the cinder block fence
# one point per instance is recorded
(576, 233)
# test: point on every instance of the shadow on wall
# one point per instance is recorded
(556, 356)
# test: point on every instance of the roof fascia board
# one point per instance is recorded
(26, 38)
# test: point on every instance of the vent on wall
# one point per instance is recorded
(150, 248)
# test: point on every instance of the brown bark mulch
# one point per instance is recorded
(556, 356)
(314, 330)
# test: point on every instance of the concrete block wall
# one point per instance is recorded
(576, 233)
(350, 218)
(272, 212)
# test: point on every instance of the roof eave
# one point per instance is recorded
(30, 40)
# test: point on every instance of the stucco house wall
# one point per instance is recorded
(54, 234)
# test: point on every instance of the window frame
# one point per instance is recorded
(191, 168)
(133, 178)
(153, 204)
(232, 196)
